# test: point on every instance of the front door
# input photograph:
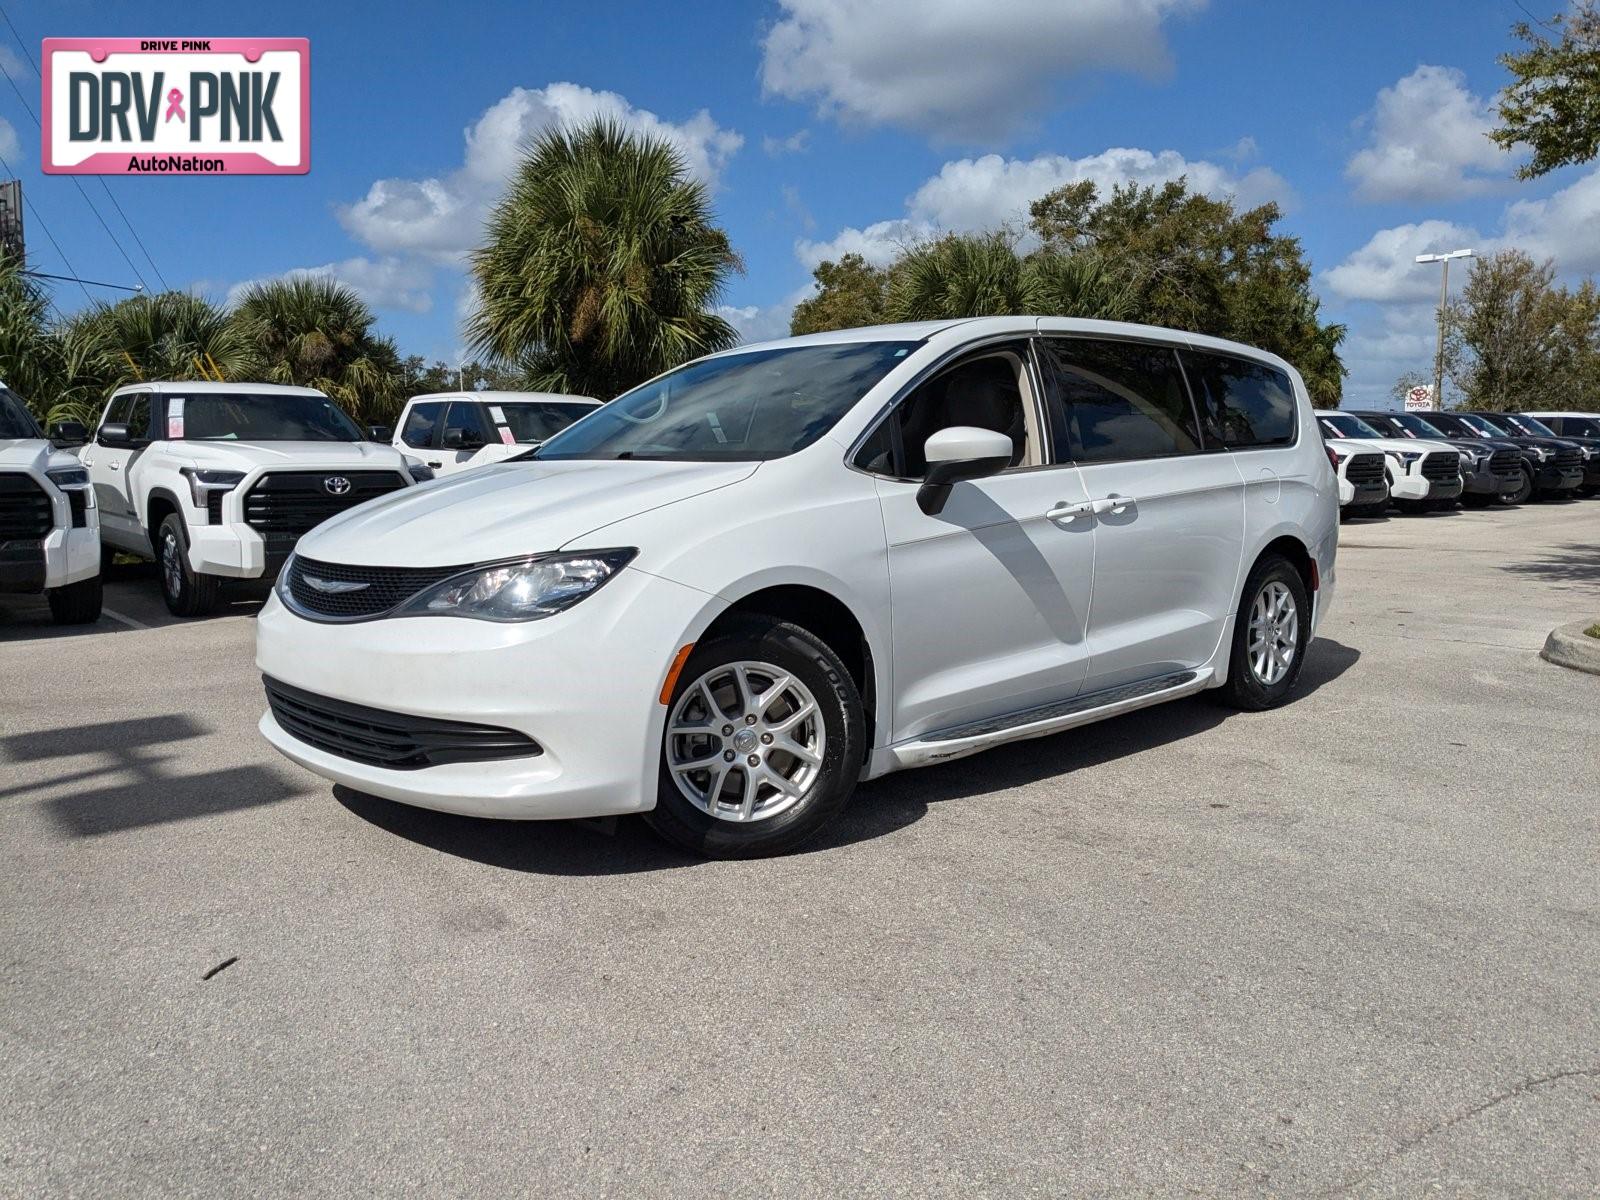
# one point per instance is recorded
(991, 594)
(109, 468)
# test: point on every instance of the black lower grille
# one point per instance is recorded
(1441, 466)
(25, 511)
(1505, 462)
(1364, 469)
(284, 506)
(397, 741)
(349, 593)
(1569, 458)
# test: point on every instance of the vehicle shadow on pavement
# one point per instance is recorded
(130, 785)
(879, 808)
(1575, 563)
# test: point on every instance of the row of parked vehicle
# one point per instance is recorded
(1417, 461)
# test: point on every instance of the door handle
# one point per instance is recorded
(1069, 512)
(435, 465)
(114, 464)
(1115, 504)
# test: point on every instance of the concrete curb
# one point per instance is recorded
(1569, 646)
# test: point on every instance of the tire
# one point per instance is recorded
(77, 603)
(1520, 495)
(1476, 500)
(765, 650)
(1247, 689)
(188, 593)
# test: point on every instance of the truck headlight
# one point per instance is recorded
(526, 590)
(203, 482)
(69, 477)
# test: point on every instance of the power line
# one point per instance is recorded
(165, 286)
(121, 287)
(92, 208)
(71, 269)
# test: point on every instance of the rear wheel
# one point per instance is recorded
(763, 745)
(1270, 636)
(1523, 490)
(77, 603)
(188, 593)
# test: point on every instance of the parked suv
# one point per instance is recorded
(49, 528)
(219, 480)
(1421, 474)
(743, 586)
(453, 431)
(1550, 467)
(1489, 470)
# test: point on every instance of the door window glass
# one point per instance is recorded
(117, 410)
(421, 423)
(987, 392)
(138, 418)
(1242, 403)
(467, 416)
(1119, 400)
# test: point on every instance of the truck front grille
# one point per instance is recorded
(25, 511)
(1505, 462)
(284, 506)
(1440, 466)
(1363, 469)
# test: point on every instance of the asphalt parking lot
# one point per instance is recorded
(1349, 946)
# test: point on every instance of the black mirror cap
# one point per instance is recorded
(67, 434)
(460, 439)
(380, 433)
(935, 489)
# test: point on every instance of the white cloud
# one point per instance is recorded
(383, 283)
(973, 194)
(951, 68)
(1563, 227)
(1429, 141)
(1385, 269)
(10, 146)
(442, 216)
(795, 143)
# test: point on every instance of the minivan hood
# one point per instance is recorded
(508, 509)
(313, 456)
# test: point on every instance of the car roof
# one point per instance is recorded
(492, 397)
(198, 387)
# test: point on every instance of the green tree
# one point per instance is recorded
(313, 331)
(29, 355)
(850, 293)
(601, 265)
(169, 335)
(979, 275)
(1552, 104)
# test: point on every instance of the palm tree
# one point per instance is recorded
(313, 331)
(28, 360)
(601, 264)
(959, 275)
(169, 335)
(1081, 284)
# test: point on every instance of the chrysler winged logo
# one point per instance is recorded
(337, 485)
(334, 587)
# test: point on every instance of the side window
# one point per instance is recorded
(117, 410)
(1119, 400)
(421, 422)
(989, 391)
(467, 416)
(1242, 403)
(139, 416)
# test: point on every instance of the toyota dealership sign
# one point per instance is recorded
(177, 106)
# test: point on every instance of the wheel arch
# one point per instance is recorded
(157, 505)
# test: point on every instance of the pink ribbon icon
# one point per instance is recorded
(174, 106)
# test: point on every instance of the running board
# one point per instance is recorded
(970, 738)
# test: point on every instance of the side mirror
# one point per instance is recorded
(380, 433)
(67, 434)
(460, 439)
(957, 453)
(117, 435)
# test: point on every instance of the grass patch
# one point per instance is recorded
(1593, 630)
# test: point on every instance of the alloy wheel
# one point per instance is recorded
(1274, 632)
(171, 564)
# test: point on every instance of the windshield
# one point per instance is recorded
(1478, 426)
(533, 422)
(15, 420)
(736, 407)
(1414, 426)
(260, 417)
(1345, 426)
(1527, 426)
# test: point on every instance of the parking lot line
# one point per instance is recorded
(128, 621)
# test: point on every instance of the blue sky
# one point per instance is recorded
(824, 126)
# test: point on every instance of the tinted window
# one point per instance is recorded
(117, 410)
(530, 422)
(748, 406)
(266, 417)
(1242, 403)
(466, 416)
(1579, 426)
(1120, 400)
(1344, 425)
(983, 392)
(1385, 425)
(421, 422)
(138, 417)
(15, 420)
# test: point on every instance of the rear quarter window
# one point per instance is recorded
(1243, 404)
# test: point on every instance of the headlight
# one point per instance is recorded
(1540, 453)
(526, 590)
(202, 483)
(69, 477)
(420, 472)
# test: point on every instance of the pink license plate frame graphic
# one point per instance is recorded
(233, 162)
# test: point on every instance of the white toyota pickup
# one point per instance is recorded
(49, 529)
(219, 480)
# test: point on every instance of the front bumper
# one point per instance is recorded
(233, 550)
(584, 685)
(1362, 495)
(1551, 478)
(61, 557)
(1410, 487)
(1483, 482)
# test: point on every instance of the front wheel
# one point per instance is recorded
(77, 603)
(188, 593)
(1520, 493)
(1270, 636)
(763, 745)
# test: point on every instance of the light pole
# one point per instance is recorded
(1444, 296)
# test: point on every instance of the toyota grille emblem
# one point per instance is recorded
(337, 485)
(334, 587)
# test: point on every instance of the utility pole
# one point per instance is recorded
(1444, 298)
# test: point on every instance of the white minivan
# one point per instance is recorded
(454, 431)
(736, 590)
